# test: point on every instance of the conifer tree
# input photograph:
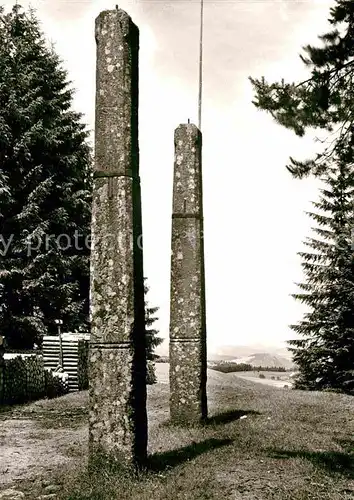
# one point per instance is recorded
(325, 353)
(152, 337)
(45, 207)
(325, 100)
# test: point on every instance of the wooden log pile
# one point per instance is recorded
(26, 379)
(15, 381)
(35, 378)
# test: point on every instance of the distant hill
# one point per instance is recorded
(265, 359)
(256, 354)
(237, 351)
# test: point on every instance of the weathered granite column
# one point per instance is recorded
(188, 365)
(117, 364)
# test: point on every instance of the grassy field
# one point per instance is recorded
(274, 379)
(260, 443)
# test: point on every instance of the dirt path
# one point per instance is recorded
(37, 437)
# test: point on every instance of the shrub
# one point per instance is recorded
(56, 384)
(162, 359)
(232, 367)
(228, 367)
(261, 375)
(151, 375)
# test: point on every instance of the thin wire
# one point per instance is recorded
(200, 66)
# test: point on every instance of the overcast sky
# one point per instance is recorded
(253, 209)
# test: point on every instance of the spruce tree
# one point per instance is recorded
(45, 208)
(325, 100)
(152, 337)
(325, 353)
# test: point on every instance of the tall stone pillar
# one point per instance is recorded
(188, 362)
(117, 364)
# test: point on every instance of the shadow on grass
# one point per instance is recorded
(169, 459)
(346, 444)
(331, 461)
(229, 416)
